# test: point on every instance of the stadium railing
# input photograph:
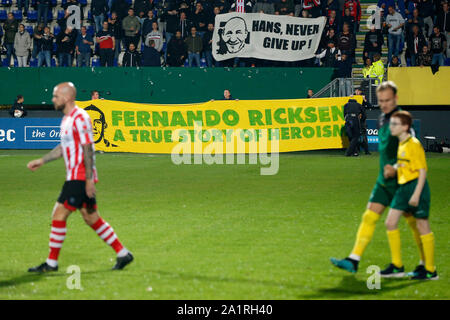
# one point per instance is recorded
(343, 87)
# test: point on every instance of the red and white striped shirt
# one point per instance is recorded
(240, 6)
(76, 131)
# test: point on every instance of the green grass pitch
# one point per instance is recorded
(213, 232)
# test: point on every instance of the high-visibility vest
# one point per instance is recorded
(377, 71)
(366, 71)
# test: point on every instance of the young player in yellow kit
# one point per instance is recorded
(412, 195)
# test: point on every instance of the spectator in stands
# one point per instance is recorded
(131, 26)
(248, 6)
(170, 15)
(37, 35)
(227, 95)
(23, 4)
(330, 56)
(200, 19)
(395, 62)
(415, 42)
(329, 36)
(406, 8)
(184, 25)
(384, 5)
(346, 41)
(367, 70)
(284, 7)
(309, 94)
(373, 42)
(354, 7)
(151, 56)
(95, 95)
(344, 70)
(43, 7)
(17, 109)
(176, 51)
(131, 58)
(121, 8)
(22, 46)
(332, 5)
(144, 6)
(99, 9)
(141, 17)
(313, 7)
(194, 47)
(424, 58)
(426, 11)
(156, 36)
(443, 21)
(332, 21)
(261, 6)
(11, 26)
(349, 19)
(66, 46)
(115, 26)
(207, 45)
(377, 69)
(83, 48)
(395, 23)
(416, 20)
(147, 26)
(45, 48)
(437, 46)
(106, 41)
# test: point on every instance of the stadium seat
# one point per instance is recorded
(3, 15)
(89, 15)
(53, 62)
(90, 30)
(4, 63)
(83, 3)
(55, 47)
(63, 3)
(32, 16)
(7, 3)
(33, 62)
(16, 63)
(29, 29)
(33, 3)
(17, 15)
(116, 63)
(56, 30)
(130, 2)
(54, 3)
(95, 62)
(60, 14)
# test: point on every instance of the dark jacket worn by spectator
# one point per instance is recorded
(131, 59)
(151, 57)
(207, 37)
(11, 27)
(346, 42)
(17, 107)
(121, 8)
(371, 38)
(176, 52)
(99, 7)
(194, 44)
(66, 46)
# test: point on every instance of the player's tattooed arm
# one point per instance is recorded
(56, 153)
(88, 153)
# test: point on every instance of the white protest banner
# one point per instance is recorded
(265, 36)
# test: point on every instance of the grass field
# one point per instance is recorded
(213, 232)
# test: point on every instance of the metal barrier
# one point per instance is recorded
(343, 87)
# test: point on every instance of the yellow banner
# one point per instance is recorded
(419, 86)
(236, 126)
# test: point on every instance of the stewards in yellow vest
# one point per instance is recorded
(377, 69)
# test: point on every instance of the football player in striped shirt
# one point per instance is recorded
(78, 192)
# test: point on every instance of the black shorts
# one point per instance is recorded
(73, 196)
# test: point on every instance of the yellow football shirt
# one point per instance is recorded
(410, 159)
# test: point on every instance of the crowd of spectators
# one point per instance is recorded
(179, 32)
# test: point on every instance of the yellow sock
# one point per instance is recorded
(412, 224)
(428, 249)
(395, 245)
(365, 232)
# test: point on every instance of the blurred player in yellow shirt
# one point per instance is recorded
(412, 195)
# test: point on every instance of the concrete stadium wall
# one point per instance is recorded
(162, 85)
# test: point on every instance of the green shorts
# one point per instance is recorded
(383, 194)
(404, 193)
